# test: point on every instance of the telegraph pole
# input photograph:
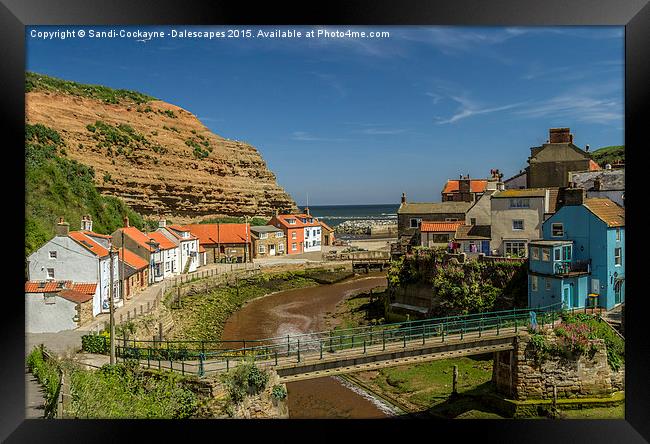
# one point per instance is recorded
(112, 307)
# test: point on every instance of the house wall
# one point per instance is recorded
(550, 166)
(481, 211)
(278, 242)
(85, 311)
(516, 183)
(51, 317)
(298, 240)
(435, 239)
(592, 240)
(543, 297)
(312, 240)
(74, 263)
(501, 217)
(136, 282)
(404, 220)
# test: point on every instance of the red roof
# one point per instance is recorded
(93, 234)
(201, 248)
(440, 227)
(132, 259)
(327, 227)
(212, 234)
(165, 244)
(137, 236)
(282, 218)
(88, 243)
(55, 286)
(593, 166)
(475, 186)
(75, 296)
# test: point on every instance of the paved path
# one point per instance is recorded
(34, 400)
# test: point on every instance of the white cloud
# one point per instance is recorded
(470, 108)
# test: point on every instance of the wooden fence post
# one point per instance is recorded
(454, 389)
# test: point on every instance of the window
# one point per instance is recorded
(557, 230)
(294, 247)
(515, 248)
(264, 235)
(618, 237)
(451, 219)
(50, 273)
(52, 254)
(618, 258)
(415, 222)
(548, 284)
(281, 248)
(293, 235)
(519, 203)
(279, 234)
(261, 249)
(534, 252)
(472, 221)
(517, 224)
(556, 254)
(533, 283)
(566, 252)
(291, 221)
(546, 254)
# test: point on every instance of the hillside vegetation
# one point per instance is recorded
(59, 187)
(35, 81)
(609, 154)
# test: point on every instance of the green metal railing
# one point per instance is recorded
(174, 355)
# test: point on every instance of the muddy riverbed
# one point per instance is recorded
(300, 311)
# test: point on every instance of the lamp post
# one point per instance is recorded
(111, 250)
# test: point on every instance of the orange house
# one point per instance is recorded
(294, 231)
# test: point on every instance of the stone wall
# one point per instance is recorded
(85, 310)
(518, 375)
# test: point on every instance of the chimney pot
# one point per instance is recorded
(403, 197)
(162, 223)
(126, 221)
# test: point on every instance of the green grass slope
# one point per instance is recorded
(59, 187)
(609, 154)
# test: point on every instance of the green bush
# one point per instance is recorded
(279, 391)
(98, 344)
(245, 379)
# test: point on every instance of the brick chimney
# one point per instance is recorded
(560, 135)
(464, 184)
(86, 223)
(126, 221)
(162, 223)
(597, 184)
(574, 196)
(62, 228)
(403, 198)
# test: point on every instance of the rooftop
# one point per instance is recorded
(212, 234)
(473, 232)
(165, 244)
(525, 192)
(132, 259)
(440, 227)
(434, 207)
(606, 210)
(475, 185)
(55, 286)
(551, 242)
(264, 229)
(88, 243)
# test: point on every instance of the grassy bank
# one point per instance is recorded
(48, 373)
(203, 316)
(127, 391)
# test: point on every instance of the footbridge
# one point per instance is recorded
(339, 351)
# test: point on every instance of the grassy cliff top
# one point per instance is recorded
(41, 82)
(609, 154)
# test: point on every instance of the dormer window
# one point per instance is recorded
(291, 221)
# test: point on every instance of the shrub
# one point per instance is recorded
(98, 344)
(245, 379)
(279, 391)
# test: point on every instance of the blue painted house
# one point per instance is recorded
(581, 259)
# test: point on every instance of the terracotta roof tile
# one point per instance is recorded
(212, 234)
(137, 236)
(132, 259)
(475, 185)
(607, 211)
(55, 286)
(440, 227)
(165, 244)
(593, 166)
(88, 243)
(75, 296)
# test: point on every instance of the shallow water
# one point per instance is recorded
(300, 311)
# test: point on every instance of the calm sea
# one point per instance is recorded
(333, 215)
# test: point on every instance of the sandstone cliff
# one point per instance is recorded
(157, 157)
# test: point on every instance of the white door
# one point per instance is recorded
(271, 250)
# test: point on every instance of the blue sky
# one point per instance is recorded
(359, 121)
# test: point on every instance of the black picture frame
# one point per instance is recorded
(633, 14)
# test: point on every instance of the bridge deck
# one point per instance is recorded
(377, 355)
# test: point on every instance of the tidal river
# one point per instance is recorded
(300, 311)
